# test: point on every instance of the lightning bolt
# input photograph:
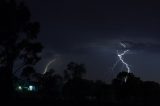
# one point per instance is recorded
(49, 63)
(114, 65)
(123, 45)
(120, 55)
(120, 59)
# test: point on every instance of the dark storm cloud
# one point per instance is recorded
(90, 31)
(138, 46)
(93, 21)
(69, 23)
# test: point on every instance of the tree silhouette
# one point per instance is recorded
(75, 86)
(101, 91)
(151, 92)
(52, 85)
(27, 72)
(125, 90)
(74, 71)
(17, 40)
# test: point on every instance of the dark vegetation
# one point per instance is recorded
(18, 45)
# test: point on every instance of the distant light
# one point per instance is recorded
(19, 88)
(30, 88)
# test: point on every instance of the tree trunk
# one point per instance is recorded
(6, 88)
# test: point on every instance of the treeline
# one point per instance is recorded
(73, 87)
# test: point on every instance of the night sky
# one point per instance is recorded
(89, 32)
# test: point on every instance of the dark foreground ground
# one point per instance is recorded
(30, 102)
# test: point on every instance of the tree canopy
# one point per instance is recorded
(18, 42)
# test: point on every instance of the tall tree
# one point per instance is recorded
(52, 85)
(74, 71)
(18, 41)
(75, 85)
(129, 88)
